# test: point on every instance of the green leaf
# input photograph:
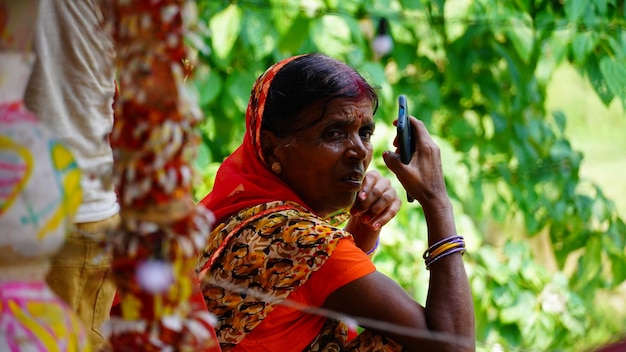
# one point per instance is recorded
(284, 12)
(516, 71)
(554, 50)
(432, 91)
(522, 36)
(618, 269)
(602, 6)
(403, 54)
(590, 263)
(209, 85)
(332, 35)
(583, 44)
(295, 36)
(456, 13)
(258, 34)
(225, 27)
(403, 33)
(203, 158)
(500, 273)
(374, 72)
(348, 6)
(613, 245)
(559, 119)
(411, 4)
(518, 311)
(614, 72)
(574, 9)
(383, 8)
(511, 334)
(598, 82)
(239, 84)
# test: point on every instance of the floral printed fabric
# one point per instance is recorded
(333, 337)
(260, 263)
(255, 259)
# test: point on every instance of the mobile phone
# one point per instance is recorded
(404, 134)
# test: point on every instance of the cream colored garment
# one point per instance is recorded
(71, 90)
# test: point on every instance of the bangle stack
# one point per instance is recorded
(443, 248)
(371, 251)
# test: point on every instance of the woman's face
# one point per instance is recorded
(326, 162)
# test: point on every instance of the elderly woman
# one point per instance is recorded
(278, 272)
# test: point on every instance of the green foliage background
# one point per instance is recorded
(543, 243)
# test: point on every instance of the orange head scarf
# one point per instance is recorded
(244, 180)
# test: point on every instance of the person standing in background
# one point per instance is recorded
(71, 89)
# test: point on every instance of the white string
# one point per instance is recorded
(374, 324)
(378, 325)
(348, 319)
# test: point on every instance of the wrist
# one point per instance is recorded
(364, 235)
(440, 221)
(437, 205)
(371, 252)
(439, 213)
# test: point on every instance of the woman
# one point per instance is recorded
(278, 270)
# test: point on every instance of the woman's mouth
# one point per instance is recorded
(354, 180)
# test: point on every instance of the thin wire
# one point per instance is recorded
(357, 320)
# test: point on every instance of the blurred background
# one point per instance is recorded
(526, 100)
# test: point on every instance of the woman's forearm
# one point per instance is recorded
(449, 305)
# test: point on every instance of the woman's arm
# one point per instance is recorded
(449, 308)
(393, 313)
(449, 305)
(446, 323)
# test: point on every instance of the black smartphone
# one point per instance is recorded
(405, 138)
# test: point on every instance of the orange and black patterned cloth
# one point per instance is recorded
(269, 255)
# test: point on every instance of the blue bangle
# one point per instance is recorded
(443, 255)
(371, 251)
(441, 243)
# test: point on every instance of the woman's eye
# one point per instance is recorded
(367, 134)
(334, 134)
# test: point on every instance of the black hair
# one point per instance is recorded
(305, 81)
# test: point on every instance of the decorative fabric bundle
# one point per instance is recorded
(39, 195)
(154, 141)
(33, 318)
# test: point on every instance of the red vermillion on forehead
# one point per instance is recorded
(311, 82)
(362, 88)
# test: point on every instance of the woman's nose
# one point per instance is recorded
(357, 147)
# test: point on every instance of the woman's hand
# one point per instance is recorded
(423, 176)
(376, 204)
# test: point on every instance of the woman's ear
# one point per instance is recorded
(269, 145)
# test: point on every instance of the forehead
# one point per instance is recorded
(357, 111)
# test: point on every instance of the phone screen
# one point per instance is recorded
(404, 135)
(404, 131)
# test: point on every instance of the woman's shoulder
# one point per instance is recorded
(282, 223)
(279, 213)
(292, 220)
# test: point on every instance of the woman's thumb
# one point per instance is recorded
(393, 162)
